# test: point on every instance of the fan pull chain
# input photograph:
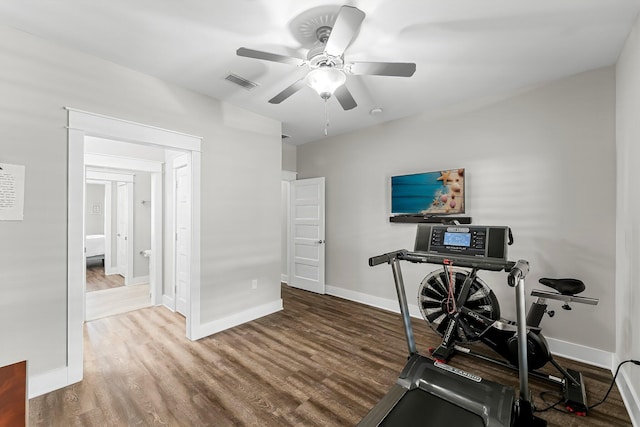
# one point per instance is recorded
(326, 117)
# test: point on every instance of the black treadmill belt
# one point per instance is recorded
(418, 408)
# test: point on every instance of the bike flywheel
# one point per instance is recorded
(436, 306)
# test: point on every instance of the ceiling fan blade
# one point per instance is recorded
(344, 30)
(267, 56)
(288, 92)
(345, 98)
(398, 69)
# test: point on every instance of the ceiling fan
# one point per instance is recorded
(328, 70)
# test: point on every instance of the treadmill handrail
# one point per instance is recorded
(385, 258)
(424, 257)
(393, 258)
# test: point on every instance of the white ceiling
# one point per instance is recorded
(465, 50)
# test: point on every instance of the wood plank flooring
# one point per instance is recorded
(109, 302)
(322, 361)
(98, 281)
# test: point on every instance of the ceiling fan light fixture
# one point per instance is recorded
(325, 80)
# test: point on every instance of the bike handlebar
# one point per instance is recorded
(519, 271)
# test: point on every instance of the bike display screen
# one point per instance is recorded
(470, 246)
(457, 239)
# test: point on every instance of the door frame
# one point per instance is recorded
(107, 216)
(178, 162)
(107, 167)
(97, 174)
(287, 177)
(80, 124)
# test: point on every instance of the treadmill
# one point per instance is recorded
(430, 393)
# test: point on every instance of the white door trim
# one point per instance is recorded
(93, 174)
(287, 177)
(81, 124)
(118, 162)
(108, 204)
(124, 130)
(157, 219)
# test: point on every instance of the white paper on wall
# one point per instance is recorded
(11, 192)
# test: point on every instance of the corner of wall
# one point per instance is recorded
(48, 382)
(629, 394)
(236, 319)
(289, 157)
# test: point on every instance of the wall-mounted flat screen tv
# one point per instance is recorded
(428, 193)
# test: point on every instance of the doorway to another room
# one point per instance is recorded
(83, 127)
(118, 241)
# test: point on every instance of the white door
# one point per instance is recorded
(122, 229)
(307, 235)
(182, 199)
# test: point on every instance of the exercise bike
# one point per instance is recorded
(461, 307)
(430, 393)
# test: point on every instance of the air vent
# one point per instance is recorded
(241, 81)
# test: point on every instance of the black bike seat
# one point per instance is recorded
(564, 286)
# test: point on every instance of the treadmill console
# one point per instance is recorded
(468, 246)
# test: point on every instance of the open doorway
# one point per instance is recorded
(97, 207)
(82, 127)
(118, 242)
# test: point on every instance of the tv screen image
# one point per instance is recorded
(428, 193)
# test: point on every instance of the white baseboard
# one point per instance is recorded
(140, 280)
(168, 302)
(284, 278)
(629, 392)
(373, 301)
(48, 382)
(236, 319)
(581, 353)
(109, 271)
(592, 356)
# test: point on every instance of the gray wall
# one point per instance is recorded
(289, 159)
(94, 201)
(241, 173)
(141, 223)
(628, 211)
(542, 162)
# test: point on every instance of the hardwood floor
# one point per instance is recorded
(109, 302)
(107, 295)
(98, 281)
(322, 361)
